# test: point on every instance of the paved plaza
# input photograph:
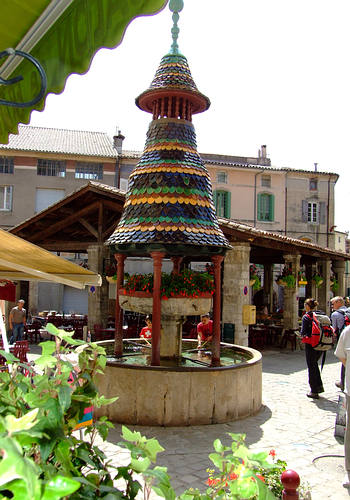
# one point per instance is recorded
(301, 430)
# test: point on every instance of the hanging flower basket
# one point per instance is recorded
(111, 279)
(318, 280)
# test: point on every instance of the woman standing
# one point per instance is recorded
(312, 356)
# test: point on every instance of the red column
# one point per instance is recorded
(156, 311)
(215, 353)
(291, 481)
(118, 337)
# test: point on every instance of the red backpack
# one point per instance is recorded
(322, 332)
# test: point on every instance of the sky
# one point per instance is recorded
(276, 72)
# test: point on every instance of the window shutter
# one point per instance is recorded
(228, 205)
(322, 208)
(304, 208)
(272, 207)
(259, 206)
(215, 199)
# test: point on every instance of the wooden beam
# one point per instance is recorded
(63, 223)
(67, 246)
(100, 221)
(89, 227)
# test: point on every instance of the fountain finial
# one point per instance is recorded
(175, 6)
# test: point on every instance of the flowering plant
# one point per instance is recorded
(188, 283)
(317, 279)
(111, 270)
(287, 277)
(254, 278)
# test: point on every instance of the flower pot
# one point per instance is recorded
(174, 306)
(111, 279)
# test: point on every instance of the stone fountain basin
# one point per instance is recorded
(181, 396)
(175, 306)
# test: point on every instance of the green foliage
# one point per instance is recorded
(187, 283)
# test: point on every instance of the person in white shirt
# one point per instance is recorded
(343, 353)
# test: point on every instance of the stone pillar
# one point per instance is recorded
(310, 289)
(324, 291)
(157, 307)
(339, 269)
(32, 306)
(290, 312)
(235, 289)
(98, 299)
(268, 284)
(119, 313)
(171, 337)
(215, 358)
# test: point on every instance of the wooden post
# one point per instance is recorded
(156, 311)
(215, 352)
(119, 314)
(291, 481)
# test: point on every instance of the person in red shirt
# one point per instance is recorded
(146, 332)
(205, 330)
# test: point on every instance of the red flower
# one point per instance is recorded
(233, 476)
(272, 453)
(260, 477)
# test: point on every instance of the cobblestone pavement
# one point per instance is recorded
(298, 428)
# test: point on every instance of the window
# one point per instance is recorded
(6, 198)
(313, 184)
(221, 177)
(266, 181)
(52, 168)
(312, 210)
(46, 197)
(266, 205)
(124, 184)
(222, 200)
(93, 171)
(6, 165)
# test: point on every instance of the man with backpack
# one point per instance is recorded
(340, 320)
(317, 335)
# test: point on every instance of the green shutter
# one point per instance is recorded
(272, 207)
(228, 205)
(215, 199)
(259, 206)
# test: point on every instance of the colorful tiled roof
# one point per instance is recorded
(169, 200)
(60, 141)
(173, 74)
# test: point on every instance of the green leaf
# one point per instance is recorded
(59, 487)
(140, 464)
(47, 347)
(219, 447)
(14, 466)
(8, 356)
(46, 361)
(18, 424)
(64, 397)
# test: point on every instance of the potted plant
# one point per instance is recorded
(334, 284)
(287, 277)
(111, 272)
(254, 279)
(187, 284)
(317, 279)
(302, 278)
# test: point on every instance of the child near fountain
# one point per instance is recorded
(205, 330)
(146, 332)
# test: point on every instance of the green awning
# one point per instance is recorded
(63, 35)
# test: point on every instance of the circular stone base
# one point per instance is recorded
(180, 396)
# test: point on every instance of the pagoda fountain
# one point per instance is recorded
(169, 214)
